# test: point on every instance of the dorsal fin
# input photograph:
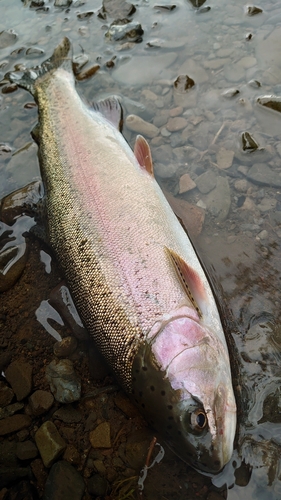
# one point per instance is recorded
(111, 109)
(190, 281)
(143, 154)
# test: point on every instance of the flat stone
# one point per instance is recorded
(97, 486)
(6, 394)
(262, 174)
(14, 423)
(247, 62)
(137, 124)
(186, 183)
(216, 63)
(176, 111)
(224, 158)
(100, 436)
(149, 95)
(9, 410)
(64, 383)
(141, 70)
(192, 216)
(19, 376)
(218, 201)
(26, 450)
(176, 124)
(49, 442)
(267, 204)
(241, 185)
(72, 455)
(68, 414)
(40, 402)
(64, 483)
(263, 235)
(206, 181)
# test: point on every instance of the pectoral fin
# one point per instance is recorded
(143, 154)
(190, 281)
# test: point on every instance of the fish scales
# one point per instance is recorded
(132, 271)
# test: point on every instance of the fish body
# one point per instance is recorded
(132, 271)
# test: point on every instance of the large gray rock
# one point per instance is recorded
(64, 483)
(218, 201)
(262, 174)
(64, 383)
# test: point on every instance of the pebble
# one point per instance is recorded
(100, 436)
(176, 111)
(186, 183)
(19, 376)
(218, 201)
(14, 423)
(241, 185)
(49, 442)
(97, 486)
(192, 216)
(65, 347)
(149, 95)
(72, 455)
(64, 483)
(206, 181)
(262, 174)
(40, 402)
(249, 204)
(6, 394)
(267, 204)
(263, 235)
(64, 383)
(165, 132)
(137, 124)
(68, 414)
(9, 410)
(26, 450)
(176, 124)
(224, 158)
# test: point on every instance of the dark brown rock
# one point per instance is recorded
(26, 450)
(14, 423)
(19, 376)
(40, 402)
(6, 394)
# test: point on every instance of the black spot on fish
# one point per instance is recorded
(152, 388)
(143, 405)
(217, 462)
(144, 368)
(179, 432)
(163, 393)
(140, 394)
(171, 418)
(137, 370)
(133, 391)
(134, 379)
(169, 426)
(169, 407)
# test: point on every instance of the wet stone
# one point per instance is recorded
(252, 10)
(64, 483)
(68, 414)
(230, 92)
(119, 9)
(72, 455)
(131, 31)
(262, 174)
(176, 124)
(64, 383)
(14, 423)
(19, 376)
(7, 38)
(34, 52)
(206, 182)
(186, 183)
(241, 185)
(62, 3)
(218, 200)
(26, 450)
(263, 235)
(6, 394)
(100, 437)
(224, 158)
(40, 402)
(65, 347)
(140, 126)
(49, 442)
(267, 204)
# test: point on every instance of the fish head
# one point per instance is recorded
(182, 383)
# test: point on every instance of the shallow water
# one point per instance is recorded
(234, 58)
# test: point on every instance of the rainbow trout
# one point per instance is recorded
(134, 276)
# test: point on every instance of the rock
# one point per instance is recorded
(9, 410)
(68, 414)
(224, 158)
(64, 483)
(40, 402)
(241, 185)
(7, 38)
(186, 184)
(119, 9)
(64, 383)
(49, 442)
(97, 486)
(141, 70)
(176, 111)
(19, 376)
(263, 235)
(262, 174)
(137, 124)
(149, 95)
(100, 436)
(218, 201)
(234, 72)
(125, 405)
(72, 455)
(65, 347)
(14, 423)
(6, 394)
(91, 421)
(176, 124)
(249, 204)
(26, 450)
(5, 359)
(267, 204)
(206, 181)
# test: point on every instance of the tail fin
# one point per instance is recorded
(62, 57)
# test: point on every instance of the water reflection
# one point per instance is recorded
(233, 58)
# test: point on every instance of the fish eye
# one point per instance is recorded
(198, 420)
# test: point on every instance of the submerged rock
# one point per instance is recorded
(100, 436)
(119, 9)
(126, 31)
(19, 376)
(262, 174)
(40, 402)
(218, 201)
(49, 442)
(7, 38)
(137, 124)
(64, 483)
(14, 423)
